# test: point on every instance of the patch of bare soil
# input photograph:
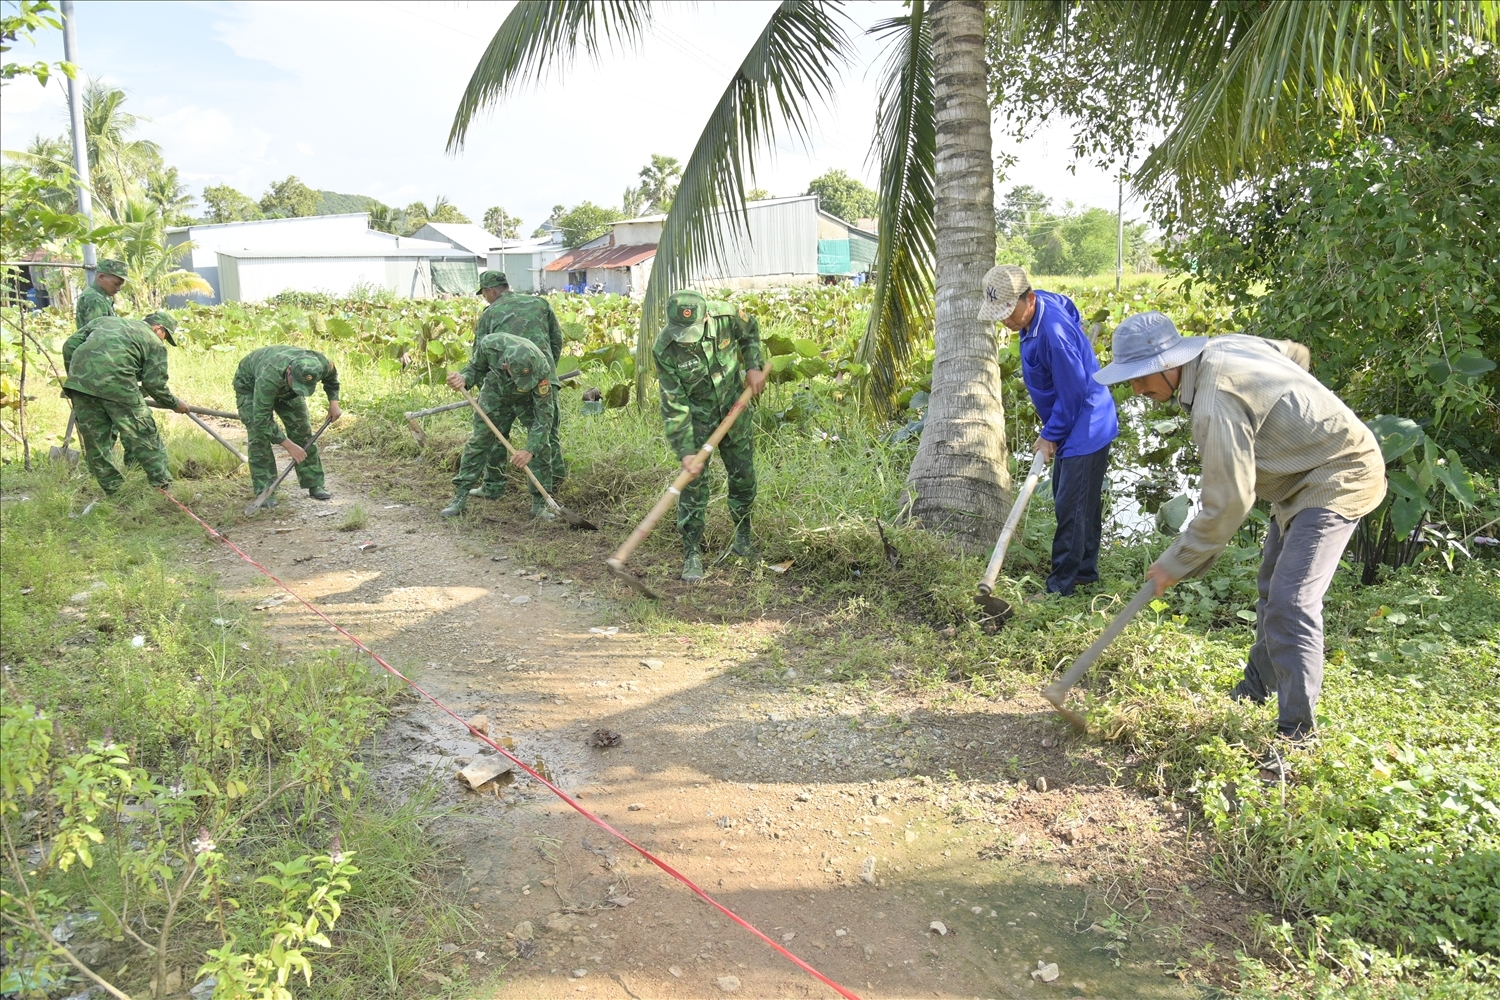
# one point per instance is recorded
(903, 845)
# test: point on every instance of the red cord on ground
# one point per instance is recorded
(213, 533)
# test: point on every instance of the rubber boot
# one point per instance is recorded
(743, 546)
(319, 493)
(488, 492)
(458, 505)
(692, 566)
(540, 511)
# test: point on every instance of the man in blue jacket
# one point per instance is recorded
(1077, 414)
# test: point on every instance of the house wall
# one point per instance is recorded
(781, 248)
(254, 279)
(264, 234)
(634, 233)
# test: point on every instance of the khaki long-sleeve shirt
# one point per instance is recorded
(1266, 428)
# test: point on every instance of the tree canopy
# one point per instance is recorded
(844, 196)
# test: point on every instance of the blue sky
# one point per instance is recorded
(358, 98)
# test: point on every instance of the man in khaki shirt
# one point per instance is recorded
(1264, 428)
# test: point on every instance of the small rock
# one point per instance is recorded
(580, 973)
(940, 927)
(524, 931)
(788, 936)
(559, 922)
(480, 724)
(911, 836)
(791, 674)
(635, 807)
(1048, 743)
(653, 664)
(881, 801)
(674, 970)
(867, 872)
(804, 797)
(976, 910)
(1045, 972)
(728, 983)
(137, 641)
(204, 989)
(1041, 786)
(604, 738)
(523, 599)
(869, 951)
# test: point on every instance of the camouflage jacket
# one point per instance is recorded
(512, 369)
(528, 316)
(701, 378)
(91, 305)
(118, 359)
(262, 374)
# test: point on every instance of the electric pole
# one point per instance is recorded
(80, 147)
(1120, 232)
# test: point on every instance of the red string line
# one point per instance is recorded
(213, 533)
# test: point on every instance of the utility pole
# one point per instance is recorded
(1120, 232)
(80, 147)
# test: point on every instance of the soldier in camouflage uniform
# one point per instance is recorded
(99, 298)
(110, 363)
(515, 379)
(699, 355)
(530, 317)
(273, 382)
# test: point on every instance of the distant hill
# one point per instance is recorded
(333, 203)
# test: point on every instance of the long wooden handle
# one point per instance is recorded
(683, 478)
(203, 410)
(265, 494)
(435, 409)
(993, 571)
(215, 435)
(510, 448)
(1058, 691)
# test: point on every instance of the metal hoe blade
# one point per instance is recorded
(1057, 693)
(618, 571)
(996, 610)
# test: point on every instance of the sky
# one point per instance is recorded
(357, 97)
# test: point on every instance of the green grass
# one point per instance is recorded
(105, 631)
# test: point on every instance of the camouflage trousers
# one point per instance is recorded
(496, 478)
(485, 458)
(295, 422)
(101, 422)
(737, 451)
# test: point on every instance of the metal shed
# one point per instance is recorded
(260, 234)
(414, 269)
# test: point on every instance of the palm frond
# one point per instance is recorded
(540, 36)
(901, 314)
(790, 67)
(1251, 76)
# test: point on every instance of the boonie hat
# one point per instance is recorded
(306, 372)
(685, 313)
(493, 279)
(1146, 343)
(165, 321)
(1004, 284)
(111, 266)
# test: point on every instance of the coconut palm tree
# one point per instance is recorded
(118, 164)
(153, 272)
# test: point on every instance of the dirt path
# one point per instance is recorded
(830, 817)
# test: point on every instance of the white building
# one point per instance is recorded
(785, 241)
(331, 254)
(524, 260)
(464, 235)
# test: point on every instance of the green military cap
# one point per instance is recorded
(111, 266)
(165, 321)
(306, 373)
(685, 313)
(493, 279)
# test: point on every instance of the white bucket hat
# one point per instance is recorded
(1004, 284)
(1145, 343)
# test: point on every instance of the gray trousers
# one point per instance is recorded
(1295, 571)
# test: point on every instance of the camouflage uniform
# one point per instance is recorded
(262, 394)
(531, 318)
(94, 302)
(109, 363)
(700, 357)
(516, 383)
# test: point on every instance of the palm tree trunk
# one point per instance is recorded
(960, 478)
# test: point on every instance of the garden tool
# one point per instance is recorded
(421, 435)
(200, 410)
(998, 610)
(616, 562)
(215, 435)
(265, 494)
(1057, 692)
(71, 455)
(567, 515)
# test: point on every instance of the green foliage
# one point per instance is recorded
(587, 221)
(498, 222)
(29, 17)
(844, 196)
(1384, 258)
(418, 215)
(653, 196)
(1075, 241)
(225, 204)
(289, 199)
(333, 203)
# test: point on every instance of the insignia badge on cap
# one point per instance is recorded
(687, 313)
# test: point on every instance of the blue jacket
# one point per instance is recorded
(1058, 365)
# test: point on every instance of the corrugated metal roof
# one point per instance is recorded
(582, 259)
(263, 222)
(427, 249)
